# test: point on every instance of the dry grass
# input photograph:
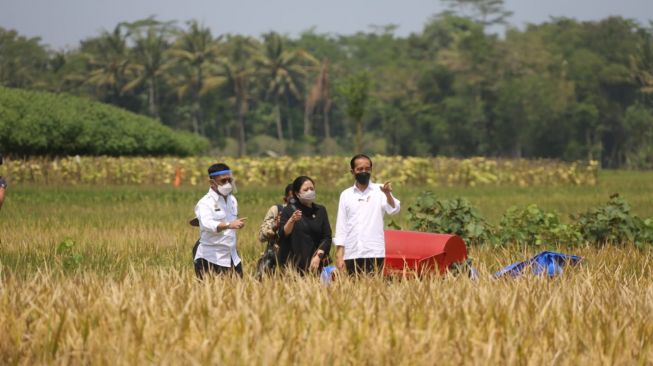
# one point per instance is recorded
(132, 297)
(598, 313)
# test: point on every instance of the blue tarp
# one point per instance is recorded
(327, 274)
(549, 263)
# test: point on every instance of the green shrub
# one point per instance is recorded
(613, 224)
(533, 226)
(609, 224)
(39, 123)
(454, 216)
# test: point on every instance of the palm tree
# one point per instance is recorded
(108, 64)
(239, 70)
(282, 71)
(320, 94)
(151, 41)
(196, 70)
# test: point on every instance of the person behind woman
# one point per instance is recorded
(270, 226)
(304, 229)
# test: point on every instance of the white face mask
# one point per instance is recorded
(225, 189)
(308, 196)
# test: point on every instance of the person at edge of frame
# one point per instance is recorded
(360, 239)
(217, 213)
(3, 186)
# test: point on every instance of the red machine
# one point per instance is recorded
(412, 252)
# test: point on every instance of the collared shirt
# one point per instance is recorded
(359, 224)
(217, 247)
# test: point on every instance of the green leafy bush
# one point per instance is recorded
(613, 224)
(608, 224)
(454, 216)
(533, 226)
(67, 255)
(39, 123)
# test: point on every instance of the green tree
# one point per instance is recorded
(641, 63)
(196, 69)
(355, 93)
(66, 71)
(485, 12)
(239, 71)
(109, 67)
(151, 40)
(22, 60)
(638, 123)
(282, 72)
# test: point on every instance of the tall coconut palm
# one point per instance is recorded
(108, 64)
(239, 70)
(283, 72)
(152, 39)
(195, 68)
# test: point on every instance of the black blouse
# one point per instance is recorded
(309, 234)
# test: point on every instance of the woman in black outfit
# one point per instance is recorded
(304, 230)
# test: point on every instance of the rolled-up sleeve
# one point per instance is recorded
(389, 210)
(206, 219)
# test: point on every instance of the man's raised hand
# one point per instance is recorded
(386, 188)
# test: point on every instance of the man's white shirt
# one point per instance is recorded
(217, 247)
(359, 225)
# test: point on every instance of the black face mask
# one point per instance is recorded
(363, 178)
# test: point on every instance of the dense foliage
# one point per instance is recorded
(561, 89)
(260, 172)
(40, 123)
(532, 225)
(612, 223)
(454, 216)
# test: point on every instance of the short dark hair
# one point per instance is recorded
(298, 182)
(359, 156)
(288, 190)
(217, 167)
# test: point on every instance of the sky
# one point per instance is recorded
(63, 23)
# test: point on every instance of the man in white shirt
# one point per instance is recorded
(360, 240)
(217, 213)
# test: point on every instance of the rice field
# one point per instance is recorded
(103, 275)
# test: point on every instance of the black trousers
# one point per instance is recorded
(364, 266)
(204, 267)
